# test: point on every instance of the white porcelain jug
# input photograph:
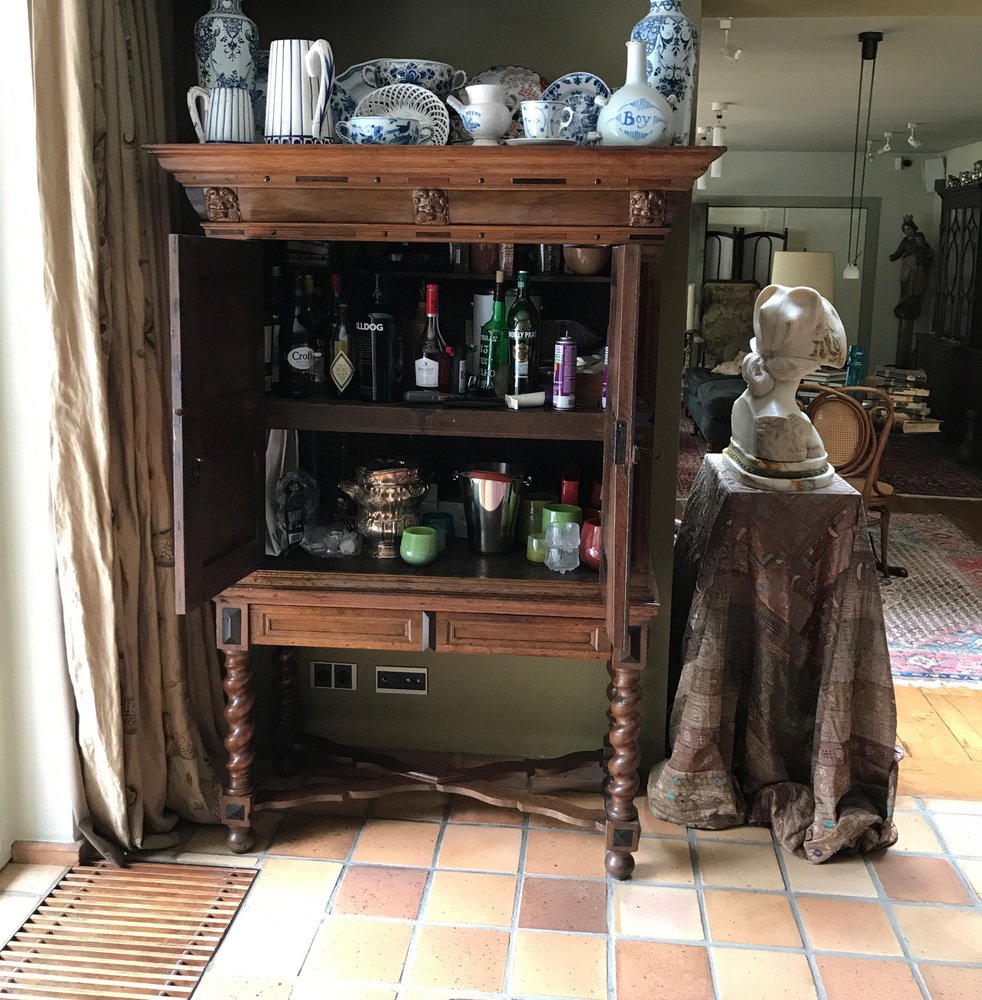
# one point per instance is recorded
(637, 114)
(298, 91)
(222, 114)
(487, 113)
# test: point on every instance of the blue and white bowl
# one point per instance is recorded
(373, 130)
(438, 77)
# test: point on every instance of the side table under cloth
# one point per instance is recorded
(785, 712)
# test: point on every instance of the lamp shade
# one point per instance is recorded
(813, 269)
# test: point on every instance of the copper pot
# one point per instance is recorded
(389, 493)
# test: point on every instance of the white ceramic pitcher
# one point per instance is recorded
(298, 91)
(487, 113)
(222, 114)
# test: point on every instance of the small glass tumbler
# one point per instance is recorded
(535, 547)
(562, 546)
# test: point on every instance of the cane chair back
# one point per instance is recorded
(854, 423)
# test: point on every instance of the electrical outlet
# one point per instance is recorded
(345, 676)
(321, 674)
(400, 680)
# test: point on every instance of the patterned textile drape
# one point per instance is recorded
(147, 685)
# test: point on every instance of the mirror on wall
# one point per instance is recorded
(739, 242)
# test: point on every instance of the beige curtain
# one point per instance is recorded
(147, 684)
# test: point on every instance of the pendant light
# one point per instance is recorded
(731, 52)
(869, 41)
(913, 142)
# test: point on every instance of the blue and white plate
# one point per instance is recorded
(577, 91)
(352, 81)
(342, 104)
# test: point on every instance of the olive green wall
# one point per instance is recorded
(484, 704)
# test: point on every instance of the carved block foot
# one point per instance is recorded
(619, 864)
(241, 839)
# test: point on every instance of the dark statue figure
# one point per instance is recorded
(916, 258)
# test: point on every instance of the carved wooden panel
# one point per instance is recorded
(647, 208)
(222, 204)
(344, 628)
(431, 207)
(521, 635)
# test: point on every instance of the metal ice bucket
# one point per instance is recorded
(491, 494)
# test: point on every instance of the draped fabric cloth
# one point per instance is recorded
(147, 685)
(785, 712)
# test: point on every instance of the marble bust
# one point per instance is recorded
(773, 444)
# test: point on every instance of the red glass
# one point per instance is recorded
(596, 495)
(590, 543)
(569, 491)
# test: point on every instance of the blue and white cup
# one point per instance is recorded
(545, 119)
(222, 114)
(440, 78)
(298, 91)
(370, 130)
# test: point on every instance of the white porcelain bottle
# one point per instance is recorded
(637, 114)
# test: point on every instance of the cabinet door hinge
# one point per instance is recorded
(620, 442)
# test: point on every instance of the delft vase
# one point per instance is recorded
(673, 54)
(637, 114)
(226, 47)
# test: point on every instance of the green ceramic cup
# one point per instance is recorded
(561, 513)
(419, 545)
(535, 547)
(530, 513)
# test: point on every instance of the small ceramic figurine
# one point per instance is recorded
(773, 444)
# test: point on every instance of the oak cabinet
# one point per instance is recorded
(464, 603)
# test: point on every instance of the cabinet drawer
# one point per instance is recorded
(521, 635)
(344, 628)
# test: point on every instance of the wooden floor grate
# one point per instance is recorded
(147, 930)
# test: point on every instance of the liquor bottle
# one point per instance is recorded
(312, 317)
(380, 295)
(341, 358)
(523, 340)
(271, 330)
(335, 299)
(493, 377)
(432, 364)
(380, 353)
(415, 336)
(298, 354)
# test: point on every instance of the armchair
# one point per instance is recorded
(726, 328)
(854, 423)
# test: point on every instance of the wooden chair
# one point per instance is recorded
(854, 422)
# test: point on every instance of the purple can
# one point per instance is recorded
(564, 374)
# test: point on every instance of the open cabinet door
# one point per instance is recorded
(219, 426)
(622, 342)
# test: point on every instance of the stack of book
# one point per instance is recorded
(828, 376)
(908, 389)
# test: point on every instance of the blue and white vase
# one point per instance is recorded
(226, 47)
(673, 57)
(637, 114)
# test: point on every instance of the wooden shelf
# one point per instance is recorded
(435, 420)
(436, 193)
(439, 276)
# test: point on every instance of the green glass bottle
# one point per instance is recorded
(493, 377)
(523, 340)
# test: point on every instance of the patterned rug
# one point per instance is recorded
(934, 616)
(924, 465)
(916, 465)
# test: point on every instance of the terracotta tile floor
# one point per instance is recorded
(453, 900)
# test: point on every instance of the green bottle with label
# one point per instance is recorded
(493, 377)
(523, 340)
